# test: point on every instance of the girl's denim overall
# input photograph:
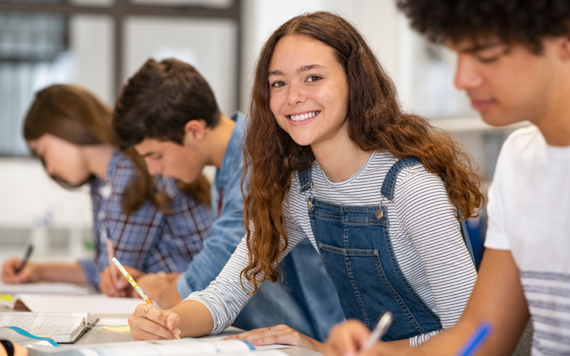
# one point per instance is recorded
(357, 253)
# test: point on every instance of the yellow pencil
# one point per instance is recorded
(132, 282)
(136, 287)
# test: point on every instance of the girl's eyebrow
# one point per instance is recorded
(309, 67)
(300, 70)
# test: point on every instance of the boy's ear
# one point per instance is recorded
(194, 131)
(565, 46)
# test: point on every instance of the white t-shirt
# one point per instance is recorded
(529, 214)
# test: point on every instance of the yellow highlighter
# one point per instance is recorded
(136, 286)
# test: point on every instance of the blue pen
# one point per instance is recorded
(476, 340)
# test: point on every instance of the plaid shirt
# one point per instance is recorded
(148, 239)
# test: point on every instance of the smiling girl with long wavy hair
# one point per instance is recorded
(380, 194)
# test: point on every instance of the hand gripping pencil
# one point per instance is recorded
(136, 286)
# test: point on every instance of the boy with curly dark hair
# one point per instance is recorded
(513, 61)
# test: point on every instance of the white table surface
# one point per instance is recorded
(99, 336)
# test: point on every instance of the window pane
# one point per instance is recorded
(199, 3)
(37, 50)
(63, 2)
(106, 3)
(426, 76)
(209, 45)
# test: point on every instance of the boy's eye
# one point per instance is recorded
(313, 78)
(492, 54)
(277, 84)
(488, 59)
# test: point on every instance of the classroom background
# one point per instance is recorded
(98, 44)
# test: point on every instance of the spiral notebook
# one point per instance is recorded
(63, 328)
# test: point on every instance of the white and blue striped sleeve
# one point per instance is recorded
(429, 221)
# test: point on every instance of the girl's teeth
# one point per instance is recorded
(303, 116)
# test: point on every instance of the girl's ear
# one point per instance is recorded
(194, 131)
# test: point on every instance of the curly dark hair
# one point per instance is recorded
(526, 22)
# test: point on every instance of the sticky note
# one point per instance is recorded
(117, 329)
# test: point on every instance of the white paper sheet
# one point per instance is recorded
(112, 322)
(257, 348)
(172, 348)
(44, 288)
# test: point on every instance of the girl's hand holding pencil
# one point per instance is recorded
(148, 323)
(166, 322)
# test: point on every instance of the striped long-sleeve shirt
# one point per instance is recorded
(424, 232)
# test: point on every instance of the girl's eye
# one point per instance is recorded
(277, 84)
(313, 78)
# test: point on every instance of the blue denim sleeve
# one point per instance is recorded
(225, 234)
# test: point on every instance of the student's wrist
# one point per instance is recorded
(36, 272)
(172, 293)
(168, 296)
(316, 345)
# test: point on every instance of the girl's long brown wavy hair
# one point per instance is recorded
(375, 122)
(79, 117)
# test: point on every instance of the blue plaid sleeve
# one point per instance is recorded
(147, 239)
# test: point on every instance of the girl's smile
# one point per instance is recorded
(302, 118)
(308, 91)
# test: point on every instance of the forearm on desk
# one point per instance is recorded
(195, 318)
(169, 296)
(60, 272)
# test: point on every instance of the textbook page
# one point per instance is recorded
(165, 347)
(258, 348)
(61, 327)
(94, 304)
(44, 288)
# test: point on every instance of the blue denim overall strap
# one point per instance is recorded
(357, 253)
(389, 186)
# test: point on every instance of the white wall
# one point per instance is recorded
(28, 194)
(91, 48)
(377, 20)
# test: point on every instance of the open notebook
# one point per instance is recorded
(62, 328)
(158, 348)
